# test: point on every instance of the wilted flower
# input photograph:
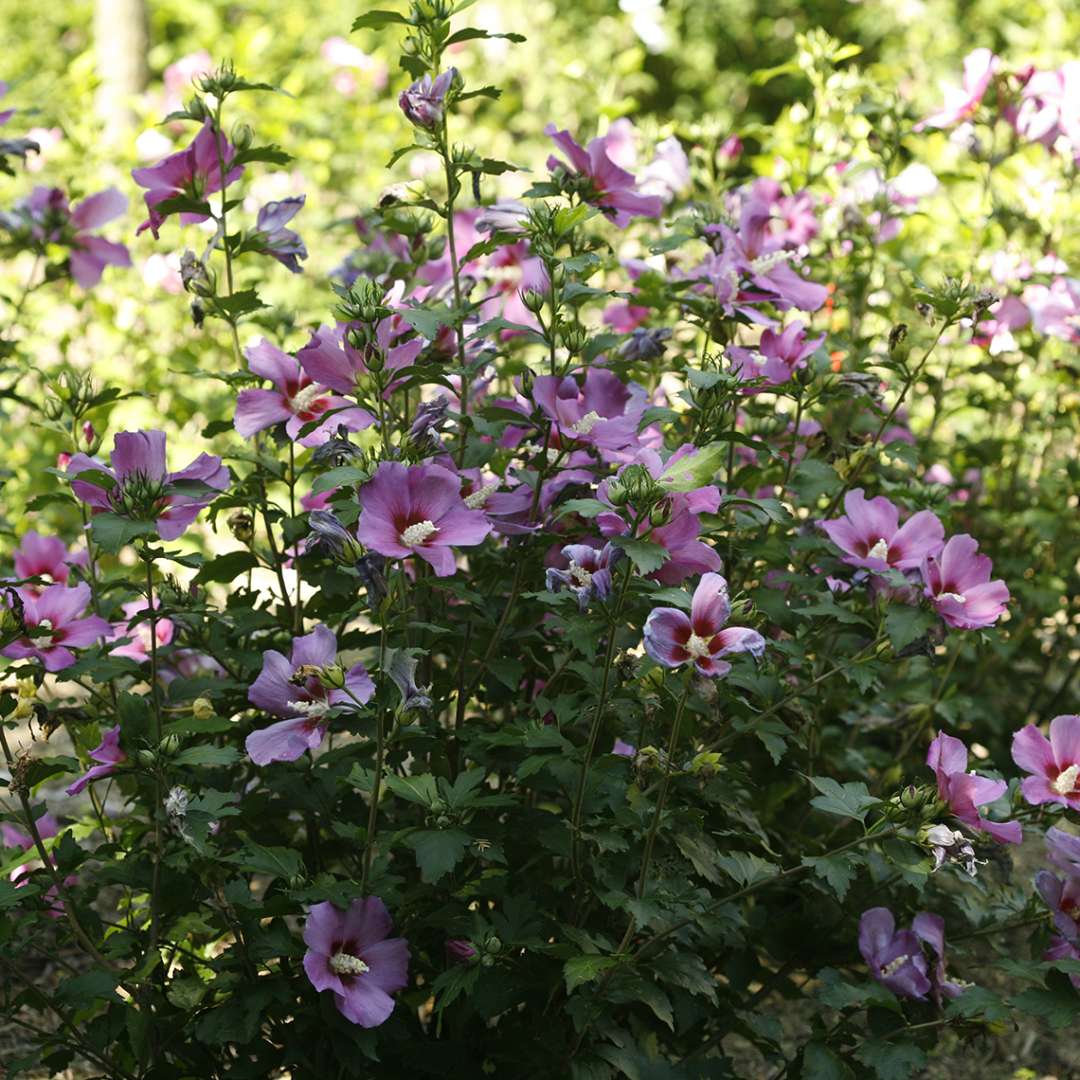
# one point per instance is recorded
(644, 344)
(424, 103)
(351, 953)
(332, 538)
(273, 239)
(401, 667)
(951, 845)
(672, 638)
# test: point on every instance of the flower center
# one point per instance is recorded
(44, 629)
(697, 646)
(1065, 783)
(343, 963)
(764, 263)
(587, 423)
(314, 710)
(417, 534)
(303, 399)
(893, 966)
(480, 496)
(958, 597)
(880, 550)
(582, 576)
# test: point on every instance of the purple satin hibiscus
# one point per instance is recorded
(600, 411)
(965, 791)
(1054, 763)
(609, 188)
(330, 359)
(1063, 900)
(870, 535)
(778, 355)
(291, 687)
(108, 754)
(351, 953)
(895, 957)
(959, 586)
(295, 401)
(673, 639)
(143, 488)
(274, 239)
(42, 557)
(54, 625)
(193, 172)
(418, 510)
(588, 573)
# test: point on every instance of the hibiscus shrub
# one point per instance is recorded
(613, 636)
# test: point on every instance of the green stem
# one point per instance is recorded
(222, 218)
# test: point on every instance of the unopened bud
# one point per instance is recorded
(332, 676)
(203, 709)
(146, 757)
(169, 745)
(533, 300)
(242, 136)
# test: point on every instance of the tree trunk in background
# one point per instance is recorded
(121, 39)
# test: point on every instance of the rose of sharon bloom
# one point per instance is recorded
(274, 239)
(143, 488)
(609, 188)
(895, 958)
(1063, 900)
(965, 792)
(672, 638)
(1063, 850)
(961, 101)
(193, 172)
(42, 557)
(295, 401)
(1054, 763)
(351, 953)
(47, 827)
(870, 535)
(55, 625)
(588, 575)
(778, 356)
(959, 586)
(329, 358)
(138, 649)
(601, 411)
(418, 510)
(291, 687)
(108, 754)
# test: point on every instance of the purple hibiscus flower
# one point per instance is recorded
(42, 557)
(1063, 850)
(965, 792)
(291, 687)
(193, 172)
(351, 953)
(143, 489)
(609, 188)
(424, 103)
(108, 754)
(54, 625)
(600, 411)
(960, 102)
(1063, 900)
(588, 573)
(329, 357)
(895, 957)
(624, 749)
(870, 535)
(295, 401)
(418, 510)
(959, 586)
(1054, 763)
(273, 239)
(138, 647)
(778, 356)
(672, 638)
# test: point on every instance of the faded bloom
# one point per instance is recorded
(273, 239)
(424, 103)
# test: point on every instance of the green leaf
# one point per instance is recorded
(275, 861)
(111, 532)
(837, 870)
(11, 895)
(586, 508)
(644, 554)
(851, 800)
(227, 567)
(207, 755)
(821, 1063)
(582, 969)
(694, 470)
(891, 1061)
(438, 851)
(240, 303)
(427, 322)
(415, 789)
(745, 868)
(342, 476)
(904, 624)
(376, 20)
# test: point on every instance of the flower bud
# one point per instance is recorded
(146, 757)
(332, 676)
(242, 136)
(493, 945)
(660, 514)
(203, 709)
(533, 300)
(196, 109)
(242, 526)
(169, 745)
